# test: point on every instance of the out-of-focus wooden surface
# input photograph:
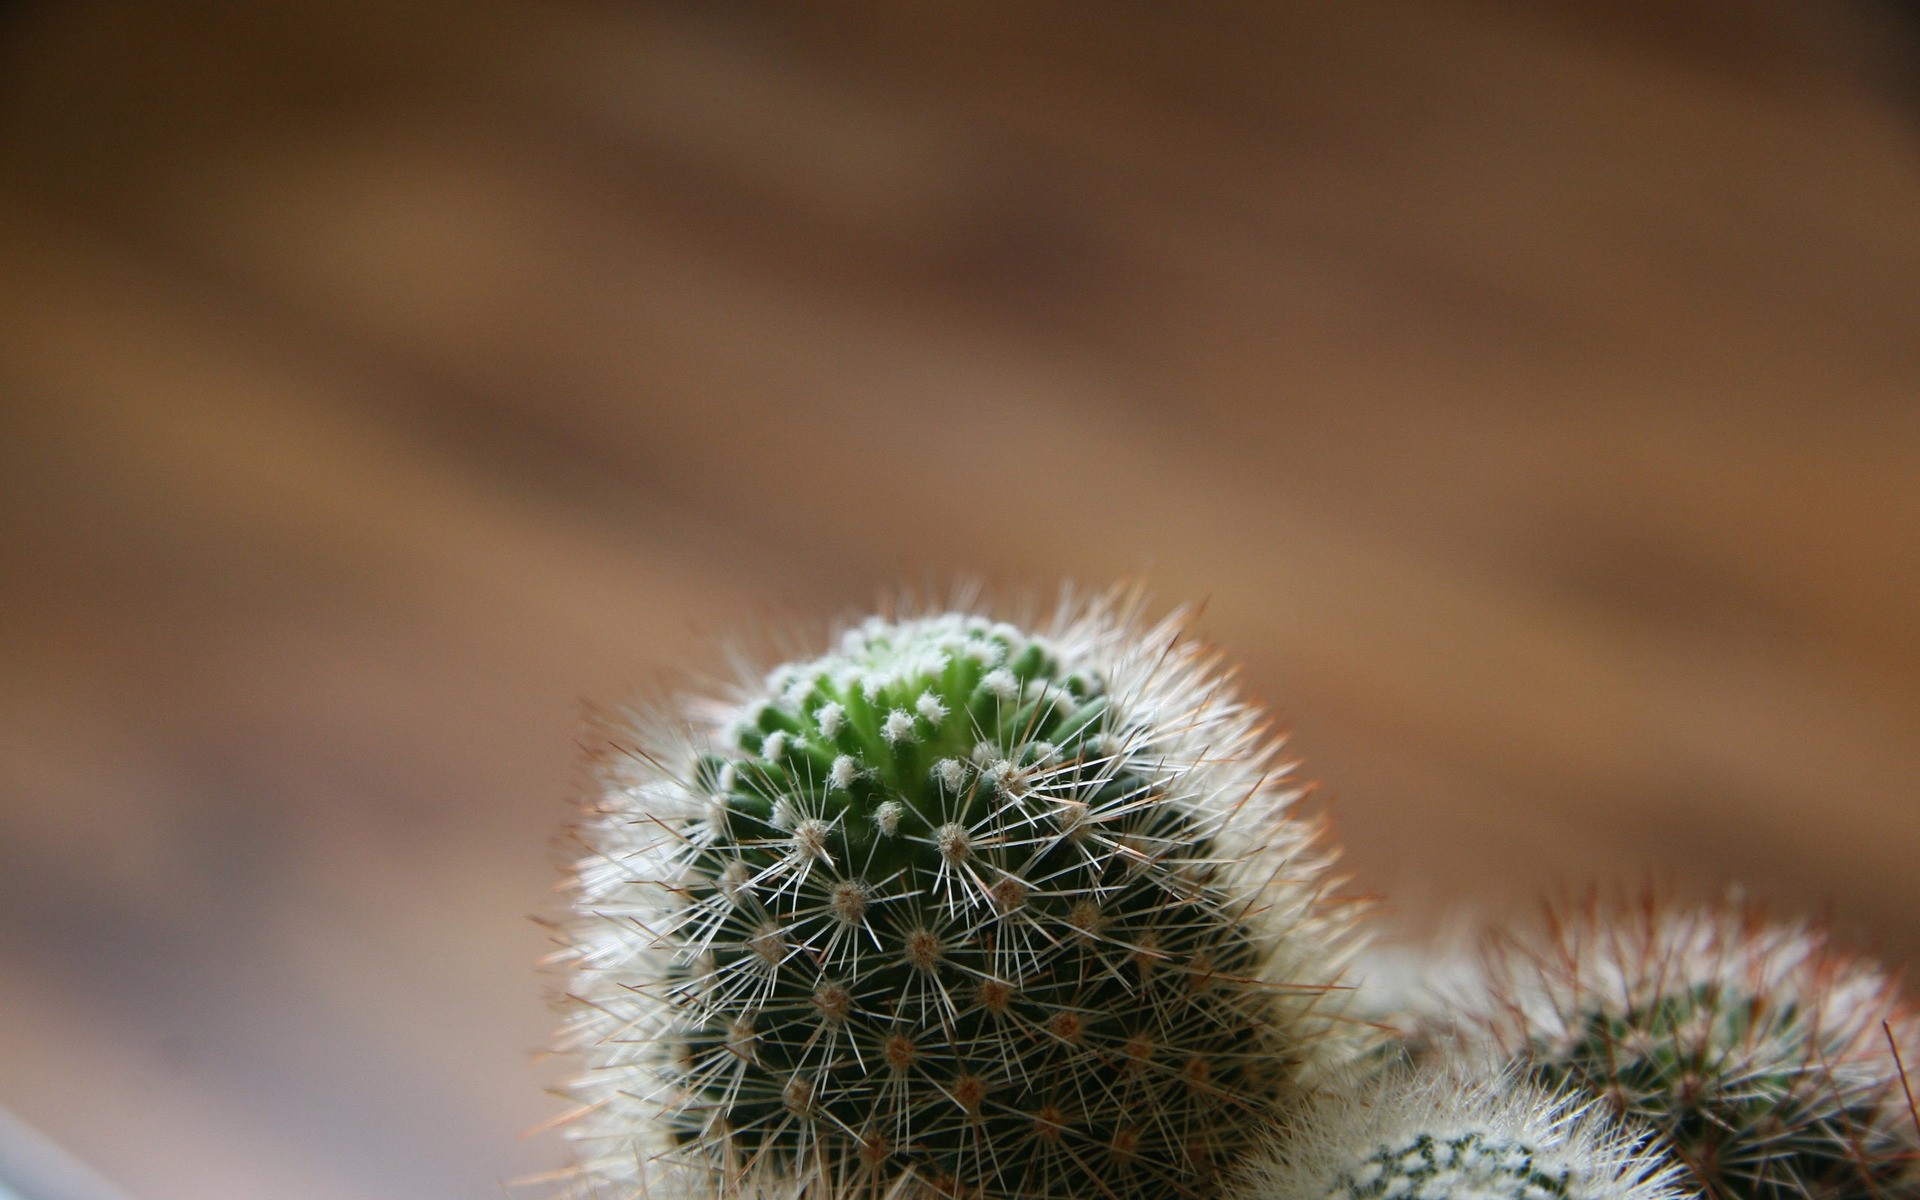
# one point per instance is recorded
(1530, 390)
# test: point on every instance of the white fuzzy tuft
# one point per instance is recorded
(832, 718)
(1451, 1134)
(898, 727)
(1004, 776)
(1002, 684)
(930, 709)
(951, 773)
(843, 772)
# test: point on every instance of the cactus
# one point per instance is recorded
(956, 909)
(1764, 1056)
(1447, 1134)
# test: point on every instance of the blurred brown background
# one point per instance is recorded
(1529, 389)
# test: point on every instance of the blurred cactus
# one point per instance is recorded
(958, 908)
(1441, 1134)
(1764, 1056)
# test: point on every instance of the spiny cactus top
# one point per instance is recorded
(1447, 1135)
(957, 908)
(1761, 1053)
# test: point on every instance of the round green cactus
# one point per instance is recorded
(1445, 1134)
(1760, 1053)
(957, 907)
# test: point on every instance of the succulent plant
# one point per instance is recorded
(1450, 1134)
(1764, 1056)
(957, 908)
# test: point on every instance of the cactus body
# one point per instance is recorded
(956, 908)
(1446, 1135)
(1761, 1054)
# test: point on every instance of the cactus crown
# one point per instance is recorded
(960, 907)
(1760, 1053)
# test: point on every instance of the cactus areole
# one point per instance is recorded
(958, 908)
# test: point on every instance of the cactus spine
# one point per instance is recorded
(957, 909)
(1760, 1053)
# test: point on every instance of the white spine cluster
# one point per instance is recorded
(1449, 1134)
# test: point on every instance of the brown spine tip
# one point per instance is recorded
(848, 899)
(1085, 918)
(924, 950)
(770, 945)
(833, 1001)
(955, 844)
(797, 1095)
(900, 1052)
(1197, 1072)
(970, 1092)
(1009, 894)
(741, 1038)
(1049, 1123)
(994, 996)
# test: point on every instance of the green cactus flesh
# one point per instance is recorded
(943, 919)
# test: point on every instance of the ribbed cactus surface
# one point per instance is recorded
(958, 908)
